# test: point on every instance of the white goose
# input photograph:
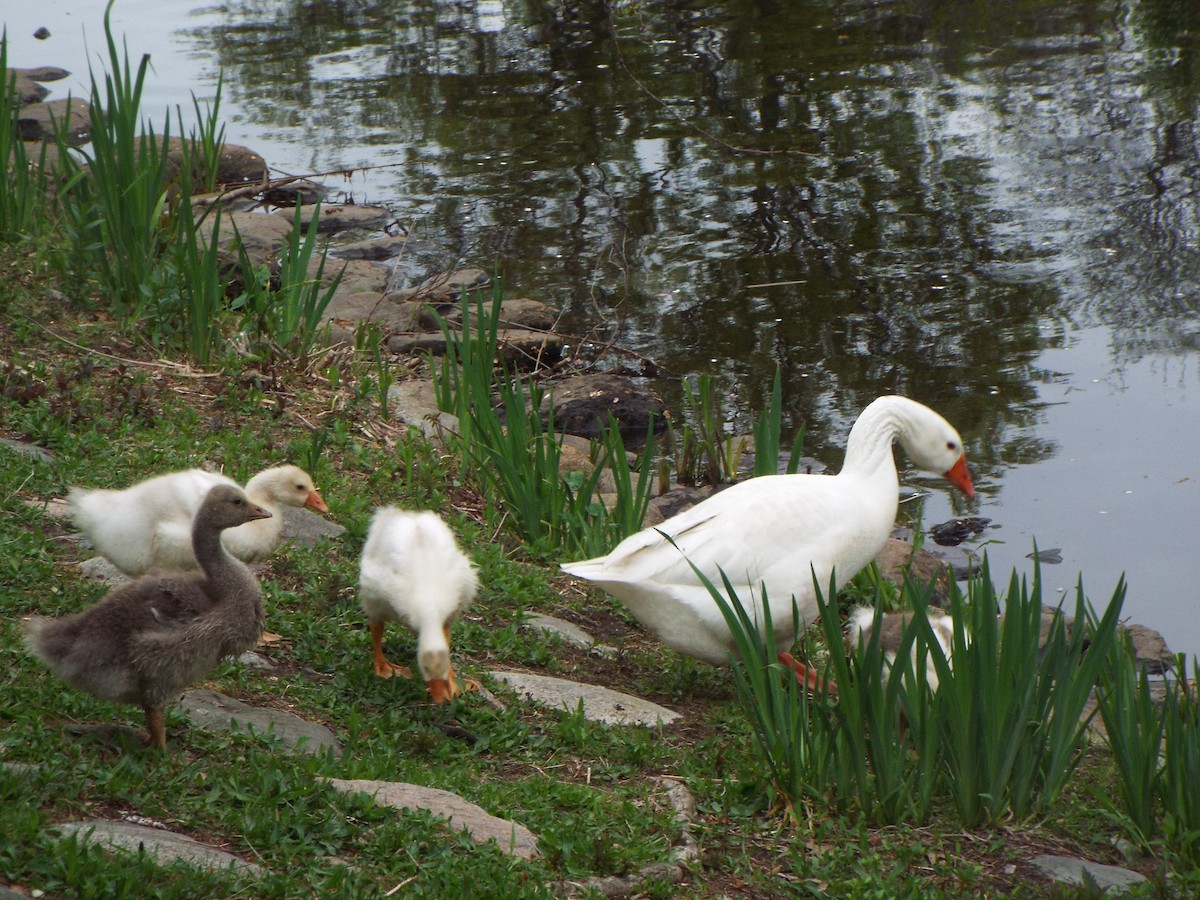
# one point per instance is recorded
(412, 571)
(149, 525)
(774, 533)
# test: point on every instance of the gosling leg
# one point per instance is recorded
(383, 668)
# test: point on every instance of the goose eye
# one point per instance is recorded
(950, 445)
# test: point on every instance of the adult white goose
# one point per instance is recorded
(149, 525)
(774, 532)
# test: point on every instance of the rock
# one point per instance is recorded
(237, 165)
(34, 451)
(305, 528)
(255, 661)
(414, 402)
(1150, 649)
(679, 498)
(43, 73)
(340, 217)
(357, 275)
(100, 569)
(295, 192)
(38, 121)
(447, 286)
(165, 846)
(512, 837)
(214, 711)
(954, 532)
(583, 404)
(528, 349)
(521, 312)
(26, 90)
(1067, 870)
(261, 235)
(570, 633)
(240, 165)
(409, 344)
(27, 83)
(374, 249)
(600, 704)
(922, 566)
(354, 308)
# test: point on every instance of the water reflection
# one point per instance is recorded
(912, 196)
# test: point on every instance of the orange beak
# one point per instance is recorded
(960, 477)
(442, 690)
(314, 501)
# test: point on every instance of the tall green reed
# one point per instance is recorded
(1180, 773)
(286, 316)
(505, 443)
(1134, 726)
(768, 435)
(116, 206)
(1156, 748)
(23, 200)
(1000, 735)
(1011, 713)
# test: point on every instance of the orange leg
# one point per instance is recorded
(469, 684)
(383, 668)
(154, 725)
(808, 678)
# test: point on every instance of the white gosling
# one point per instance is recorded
(860, 627)
(412, 571)
(775, 533)
(149, 525)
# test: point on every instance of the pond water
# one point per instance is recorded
(994, 209)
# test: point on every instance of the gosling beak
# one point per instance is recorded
(442, 690)
(314, 501)
(960, 477)
(253, 511)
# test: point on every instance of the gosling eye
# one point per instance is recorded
(950, 445)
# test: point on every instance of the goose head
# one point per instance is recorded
(289, 486)
(226, 506)
(933, 444)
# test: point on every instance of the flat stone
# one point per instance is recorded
(357, 275)
(1150, 649)
(255, 660)
(305, 528)
(339, 217)
(19, 769)
(375, 249)
(371, 306)
(100, 569)
(512, 837)
(569, 632)
(922, 566)
(1068, 870)
(261, 235)
(38, 121)
(414, 402)
(447, 286)
(27, 89)
(27, 449)
(214, 711)
(165, 846)
(600, 704)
